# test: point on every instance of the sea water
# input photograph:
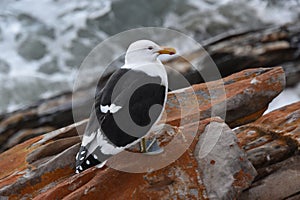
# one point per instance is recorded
(43, 42)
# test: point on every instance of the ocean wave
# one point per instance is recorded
(42, 43)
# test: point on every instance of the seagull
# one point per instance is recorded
(128, 106)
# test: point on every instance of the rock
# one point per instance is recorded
(46, 170)
(39, 161)
(245, 103)
(225, 168)
(282, 184)
(26, 134)
(4, 67)
(248, 94)
(239, 50)
(55, 113)
(272, 144)
(213, 166)
(292, 71)
(273, 137)
(35, 27)
(32, 49)
(28, 20)
(50, 67)
(79, 52)
(43, 167)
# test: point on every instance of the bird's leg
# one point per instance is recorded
(143, 145)
(151, 144)
(152, 147)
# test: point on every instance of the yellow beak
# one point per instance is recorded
(167, 50)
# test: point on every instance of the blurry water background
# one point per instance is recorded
(43, 42)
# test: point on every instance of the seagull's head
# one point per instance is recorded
(143, 51)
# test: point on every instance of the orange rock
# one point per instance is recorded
(273, 136)
(179, 180)
(272, 145)
(247, 95)
(45, 164)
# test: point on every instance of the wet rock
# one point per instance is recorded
(50, 67)
(4, 67)
(47, 32)
(28, 20)
(238, 50)
(35, 26)
(79, 52)
(32, 49)
(1, 36)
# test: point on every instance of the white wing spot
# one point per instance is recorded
(83, 152)
(95, 156)
(77, 156)
(87, 162)
(80, 168)
(77, 172)
(104, 109)
(112, 108)
(81, 158)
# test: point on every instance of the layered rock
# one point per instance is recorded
(57, 112)
(272, 144)
(238, 50)
(213, 166)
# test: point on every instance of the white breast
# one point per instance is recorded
(153, 69)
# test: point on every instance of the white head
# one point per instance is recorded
(143, 51)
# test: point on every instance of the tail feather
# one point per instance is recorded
(85, 160)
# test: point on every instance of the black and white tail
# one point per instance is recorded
(85, 160)
(95, 150)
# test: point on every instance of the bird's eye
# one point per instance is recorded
(150, 48)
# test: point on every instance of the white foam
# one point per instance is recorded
(67, 18)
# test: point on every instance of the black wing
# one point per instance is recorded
(141, 98)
